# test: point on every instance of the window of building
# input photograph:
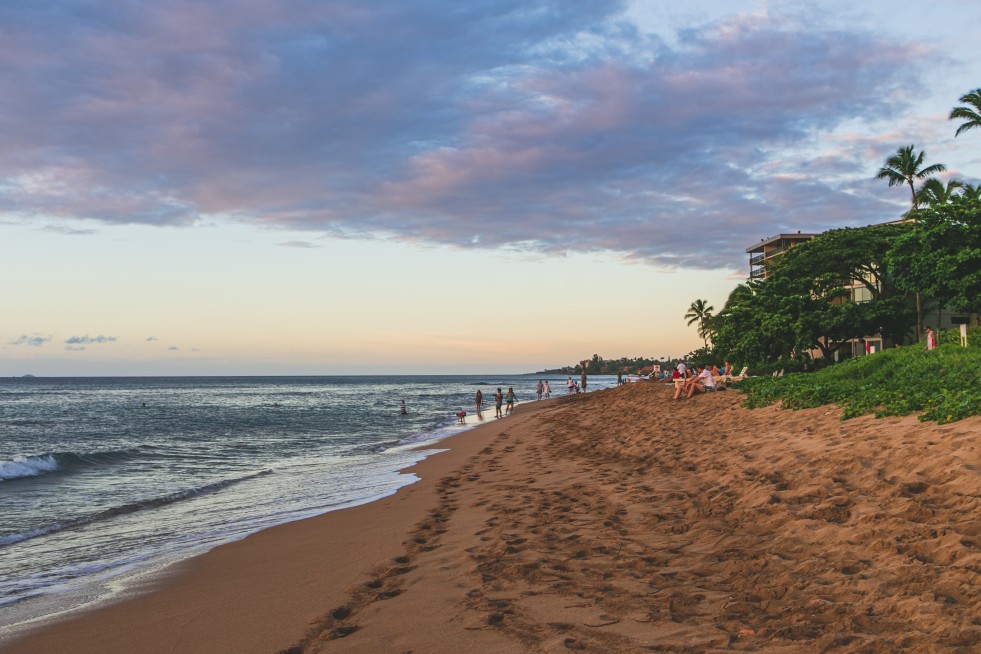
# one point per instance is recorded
(861, 294)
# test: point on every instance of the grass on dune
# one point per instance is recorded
(943, 385)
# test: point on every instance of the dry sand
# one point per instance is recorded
(618, 521)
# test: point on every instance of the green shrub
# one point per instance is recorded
(943, 385)
(953, 336)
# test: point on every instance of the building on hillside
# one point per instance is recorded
(761, 254)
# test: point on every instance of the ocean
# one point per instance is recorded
(106, 480)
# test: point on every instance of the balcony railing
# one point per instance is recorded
(759, 272)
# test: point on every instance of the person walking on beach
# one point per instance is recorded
(498, 401)
(479, 400)
(510, 401)
(548, 390)
(583, 378)
(569, 384)
(540, 389)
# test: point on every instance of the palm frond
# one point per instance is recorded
(933, 192)
(906, 166)
(971, 191)
(971, 115)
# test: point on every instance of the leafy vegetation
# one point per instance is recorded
(940, 256)
(846, 285)
(805, 303)
(943, 385)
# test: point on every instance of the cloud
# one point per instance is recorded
(75, 348)
(556, 127)
(77, 340)
(151, 338)
(173, 348)
(299, 244)
(37, 340)
(69, 231)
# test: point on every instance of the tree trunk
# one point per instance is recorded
(919, 318)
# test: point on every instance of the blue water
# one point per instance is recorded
(103, 479)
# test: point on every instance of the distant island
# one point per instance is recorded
(597, 365)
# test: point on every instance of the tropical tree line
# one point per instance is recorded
(847, 284)
(598, 365)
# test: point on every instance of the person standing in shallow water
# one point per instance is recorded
(510, 402)
(583, 379)
(548, 390)
(498, 401)
(540, 389)
(479, 400)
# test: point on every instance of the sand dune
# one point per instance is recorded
(624, 521)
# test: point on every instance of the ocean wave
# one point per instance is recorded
(33, 466)
(10, 539)
(374, 448)
(129, 507)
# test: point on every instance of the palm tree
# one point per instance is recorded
(933, 192)
(970, 115)
(904, 167)
(971, 191)
(700, 312)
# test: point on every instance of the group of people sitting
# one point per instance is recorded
(687, 383)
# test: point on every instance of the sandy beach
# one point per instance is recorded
(618, 521)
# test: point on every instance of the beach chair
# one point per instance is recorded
(740, 376)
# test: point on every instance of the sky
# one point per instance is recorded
(337, 187)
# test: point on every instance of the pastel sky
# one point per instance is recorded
(334, 186)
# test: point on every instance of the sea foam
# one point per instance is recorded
(27, 466)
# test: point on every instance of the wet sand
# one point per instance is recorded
(618, 521)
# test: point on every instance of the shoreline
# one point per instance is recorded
(142, 591)
(130, 567)
(615, 521)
